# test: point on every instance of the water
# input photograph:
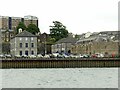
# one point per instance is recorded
(60, 78)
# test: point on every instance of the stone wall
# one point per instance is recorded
(96, 47)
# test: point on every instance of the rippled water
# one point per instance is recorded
(60, 78)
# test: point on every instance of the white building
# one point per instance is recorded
(24, 43)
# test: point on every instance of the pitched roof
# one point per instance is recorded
(67, 40)
(25, 34)
(96, 38)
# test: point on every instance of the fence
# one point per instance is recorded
(60, 63)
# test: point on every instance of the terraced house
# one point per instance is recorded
(24, 43)
(106, 43)
(64, 45)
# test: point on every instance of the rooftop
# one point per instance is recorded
(67, 40)
(25, 34)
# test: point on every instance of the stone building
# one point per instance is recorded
(6, 35)
(30, 19)
(24, 43)
(63, 45)
(43, 46)
(97, 43)
(10, 23)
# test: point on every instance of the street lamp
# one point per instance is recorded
(45, 49)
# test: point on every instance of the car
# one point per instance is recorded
(73, 56)
(18, 56)
(2, 56)
(39, 56)
(60, 56)
(97, 55)
(94, 56)
(46, 56)
(8, 55)
(32, 56)
(52, 56)
(55, 54)
(66, 56)
(25, 56)
(86, 56)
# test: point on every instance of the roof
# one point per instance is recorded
(67, 40)
(94, 38)
(25, 34)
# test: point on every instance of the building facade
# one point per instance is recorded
(64, 45)
(44, 47)
(24, 43)
(106, 43)
(10, 23)
(6, 35)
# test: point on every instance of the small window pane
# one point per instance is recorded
(20, 45)
(32, 44)
(26, 44)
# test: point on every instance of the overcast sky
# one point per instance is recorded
(79, 16)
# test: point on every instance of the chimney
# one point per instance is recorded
(20, 30)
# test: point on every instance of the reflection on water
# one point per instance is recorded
(60, 78)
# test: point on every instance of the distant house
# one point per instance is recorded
(64, 45)
(43, 46)
(24, 43)
(6, 35)
(103, 42)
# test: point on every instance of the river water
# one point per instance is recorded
(59, 78)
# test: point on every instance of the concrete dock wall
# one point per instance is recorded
(60, 63)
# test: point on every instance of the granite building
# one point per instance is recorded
(106, 43)
(6, 35)
(64, 45)
(24, 43)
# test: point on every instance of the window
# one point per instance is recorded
(20, 45)
(26, 39)
(32, 52)
(32, 44)
(26, 53)
(20, 53)
(32, 38)
(26, 44)
(20, 39)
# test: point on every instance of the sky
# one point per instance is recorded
(79, 16)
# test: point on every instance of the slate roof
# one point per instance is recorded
(25, 34)
(67, 40)
(96, 38)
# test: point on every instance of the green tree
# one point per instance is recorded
(58, 31)
(77, 37)
(32, 28)
(20, 25)
(50, 41)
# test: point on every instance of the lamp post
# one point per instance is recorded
(45, 49)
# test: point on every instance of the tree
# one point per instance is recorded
(77, 37)
(32, 28)
(22, 26)
(58, 31)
